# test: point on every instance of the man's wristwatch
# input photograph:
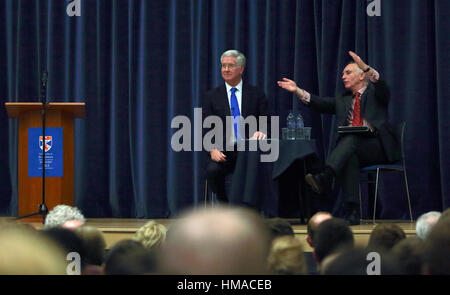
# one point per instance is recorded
(366, 70)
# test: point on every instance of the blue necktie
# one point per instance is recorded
(235, 112)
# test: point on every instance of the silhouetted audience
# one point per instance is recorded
(129, 257)
(95, 246)
(69, 242)
(360, 261)
(64, 216)
(151, 234)
(226, 241)
(385, 236)
(279, 227)
(437, 250)
(311, 228)
(332, 235)
(409, 253)
(24, 251)
(287, 256)
(221, 240)
(313, 224)
(425, 223)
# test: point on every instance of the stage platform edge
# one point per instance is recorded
(116, 229)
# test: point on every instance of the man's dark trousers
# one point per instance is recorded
(352, 152)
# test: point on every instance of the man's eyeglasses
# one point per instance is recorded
(229, 66)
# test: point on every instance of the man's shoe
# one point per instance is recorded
(353, 217)
(318, 182)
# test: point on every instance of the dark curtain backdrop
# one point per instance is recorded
(137, 64)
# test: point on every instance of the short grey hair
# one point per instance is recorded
(240, 57)
(425, 223)
(359, 71)
(61, 214)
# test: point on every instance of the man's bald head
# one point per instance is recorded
(314, 223)
(216, 241)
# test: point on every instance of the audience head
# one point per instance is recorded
(151, 235)
(64, 216)
(94, 244)
(437, 249)
(313, 224)
(129, 257)
(287, 257)
(279, 227)
(332, 235)
(68, 241)
(409, 254)
(27, 252)
(385, 236)
(425, 223)
(218, 240)
(359, 261)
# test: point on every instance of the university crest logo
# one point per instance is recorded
(48, 143)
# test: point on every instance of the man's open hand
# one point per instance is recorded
(258, 135)
(217, 156)
(362, 65)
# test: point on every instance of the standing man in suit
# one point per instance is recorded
(237, 99)
(364, 103)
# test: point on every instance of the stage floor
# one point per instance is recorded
(116, 229)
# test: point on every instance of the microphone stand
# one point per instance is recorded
(42, 209)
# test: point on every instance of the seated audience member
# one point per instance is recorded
(287, 256)
(68, 241)
(129, 257)
(437, 250)
(64, 216)
(332, 235)
(425, 223)
(359, 261)
(313, 224)
(151, 235)
(279, 227)
(385, 236)
(95, 246)
(226, 241)
(27, 252)
(409, 254)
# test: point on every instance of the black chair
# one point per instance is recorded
(395, 167)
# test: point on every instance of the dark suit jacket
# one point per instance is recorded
(374, 109)
(254, 103)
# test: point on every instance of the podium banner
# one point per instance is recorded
(53, 146)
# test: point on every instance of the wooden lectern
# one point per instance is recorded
(58, 190)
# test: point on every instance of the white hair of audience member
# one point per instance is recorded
(59, 215)
(425, 223)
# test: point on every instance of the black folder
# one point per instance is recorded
(353, 129)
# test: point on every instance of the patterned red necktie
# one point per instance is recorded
(357, 111)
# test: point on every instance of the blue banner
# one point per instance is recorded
(53, 152)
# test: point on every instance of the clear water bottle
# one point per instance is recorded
(291, 125)
(299, 124)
